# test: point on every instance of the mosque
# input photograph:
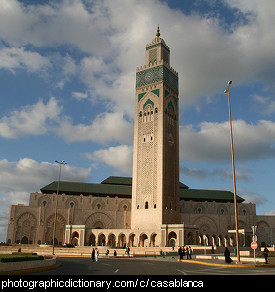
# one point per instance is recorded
(153, 208)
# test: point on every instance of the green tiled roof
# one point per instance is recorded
(122, 187)
(86, 189)
(118, 180)
(208, 195)
(183, 186)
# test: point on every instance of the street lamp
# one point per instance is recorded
(234, 176)
(56, 201)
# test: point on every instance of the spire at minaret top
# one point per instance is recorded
(158, 33)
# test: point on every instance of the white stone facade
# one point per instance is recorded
(87, 220)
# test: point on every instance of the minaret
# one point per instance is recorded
(155, 188)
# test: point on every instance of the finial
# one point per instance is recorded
(158, 33)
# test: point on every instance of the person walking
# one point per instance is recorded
(180, 253)
(128, 251)
(93, 255)
(96, 254)
(183, 252)
(189, 253)
(266, 254)
(227, 258)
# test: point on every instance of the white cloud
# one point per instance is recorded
(55, 24)
(30, 120)
(41, 118)
(107, 82)
(3, 225)
(264, 105)
(252, 197)
(27, 175)
(18, 58)
(65, 67)
(119, 157)
(241, 174)
(211, 141)
(19, 178)
(79, 95)
(272, 213)
(14, 198)
(106, 127)
(203, 51)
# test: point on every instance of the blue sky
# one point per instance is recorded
(67, 88)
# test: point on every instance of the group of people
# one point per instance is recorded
(107, 253)
(95, 253)
(185, 251)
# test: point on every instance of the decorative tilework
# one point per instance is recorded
(140, 96)
(153, 56)
(170, 104)
(158, 44)
(149, 101)
(156, 74)
(156, 92)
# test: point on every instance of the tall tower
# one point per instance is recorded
(155, 188)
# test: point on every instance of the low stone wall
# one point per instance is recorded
(220, 257)
(26, 265)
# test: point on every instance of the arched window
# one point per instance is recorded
(146, 205)
(148, 113)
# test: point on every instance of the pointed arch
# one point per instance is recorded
(59, 231)
(94, 219)
(26, 228)
(148, 101)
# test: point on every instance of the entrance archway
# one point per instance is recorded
(122, 240)
(172, 237)
(24, 240)
(131, 239)
(101, 239)
(75, 238)
(142, 240)
(153, 239)
(112, 240)
(92, 240)
(172, 242)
